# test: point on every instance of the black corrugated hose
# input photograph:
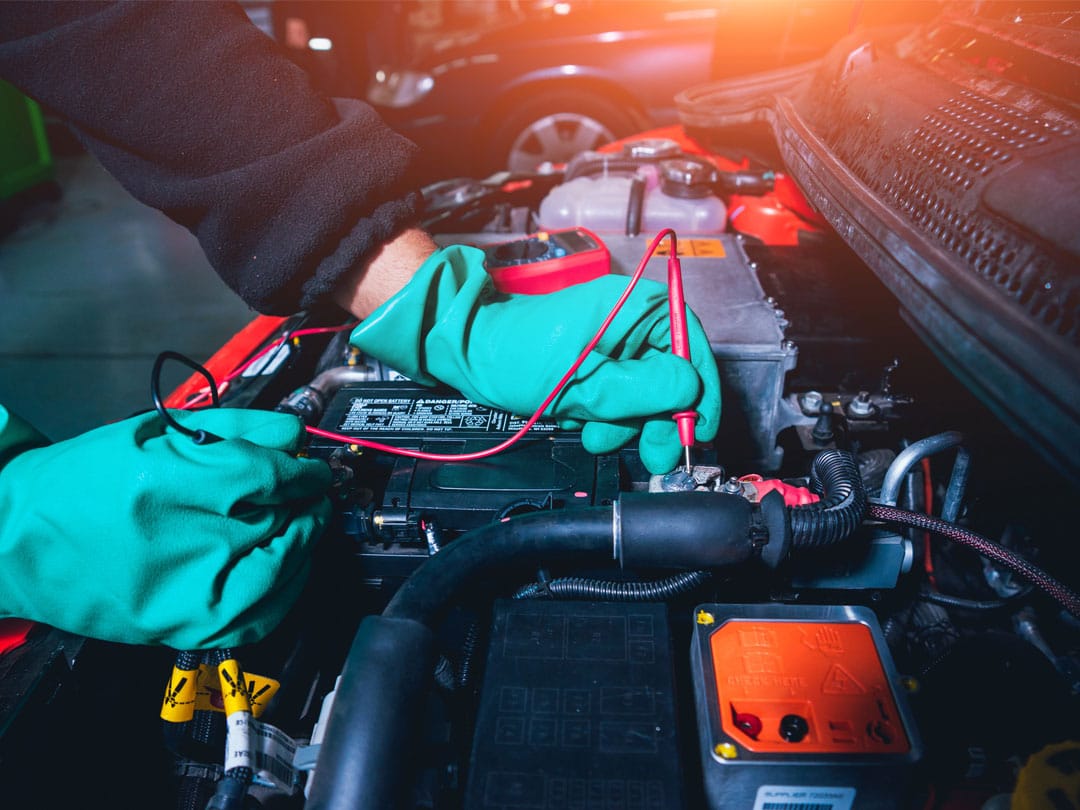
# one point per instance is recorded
(835, 476)
(608, 591)
(948, 600)
(1062, 593)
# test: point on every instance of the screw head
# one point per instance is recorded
(861, 406)
(810, 402)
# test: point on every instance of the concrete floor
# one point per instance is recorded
(92, 287)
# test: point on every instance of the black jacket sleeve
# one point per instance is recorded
(198, 114)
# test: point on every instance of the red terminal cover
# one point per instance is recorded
(793, 495)
(13, 633)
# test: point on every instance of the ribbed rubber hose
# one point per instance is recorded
(948, 600)
(608, 591)
(835, 476)
(1060, 592)
(572, 534)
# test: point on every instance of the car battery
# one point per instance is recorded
(745, 330)
(577, 710)
(799, 708)
(547, 469)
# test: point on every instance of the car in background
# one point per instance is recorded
(529, 84)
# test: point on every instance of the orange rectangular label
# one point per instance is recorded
(804, 687)
(697, 248)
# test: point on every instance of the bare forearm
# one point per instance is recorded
(370, 284)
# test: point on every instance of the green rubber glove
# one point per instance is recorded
(134, 533)
(450, 324)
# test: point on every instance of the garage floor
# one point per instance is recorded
(92, 287)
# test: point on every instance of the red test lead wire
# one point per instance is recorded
(680, 342)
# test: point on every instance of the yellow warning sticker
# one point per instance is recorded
(209, 695)
(233, 684)
(178, 705)
(697, 248)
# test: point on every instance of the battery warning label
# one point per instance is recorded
(368, 415)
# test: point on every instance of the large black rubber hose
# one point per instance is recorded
(573, 534)
(835, 476)
(610, 591)
(368, 752)
(1062, 593)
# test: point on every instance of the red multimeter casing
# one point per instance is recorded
(547, 261)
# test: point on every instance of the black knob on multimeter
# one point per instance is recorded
(547, 261)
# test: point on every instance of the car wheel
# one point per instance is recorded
(555, 127)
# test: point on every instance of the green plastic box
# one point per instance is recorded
(25, 159)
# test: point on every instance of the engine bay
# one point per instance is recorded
(580, 682)
(858, 596)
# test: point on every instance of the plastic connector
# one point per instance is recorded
(230, 794)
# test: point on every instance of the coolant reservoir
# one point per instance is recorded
(675, 194)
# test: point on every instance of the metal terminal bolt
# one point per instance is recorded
(861, 406)
(810, 402)
(733, 486)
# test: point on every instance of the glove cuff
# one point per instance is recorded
(395, 332)
(16, 436)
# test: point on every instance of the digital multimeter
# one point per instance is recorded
(547, 261)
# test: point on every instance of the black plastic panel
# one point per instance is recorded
(577, 709)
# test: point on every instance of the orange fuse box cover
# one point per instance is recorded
(805, 687)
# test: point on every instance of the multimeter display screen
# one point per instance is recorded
(521, 250)
(575, 241)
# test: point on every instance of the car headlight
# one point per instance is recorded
(399, 88)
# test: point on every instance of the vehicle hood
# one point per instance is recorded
(947, 157)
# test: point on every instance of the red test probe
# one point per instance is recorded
(680, 341)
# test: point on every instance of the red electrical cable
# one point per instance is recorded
(504, 445)
(204, 395)
(928, 499)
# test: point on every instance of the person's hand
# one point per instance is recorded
(134, 533)
(449, 324)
